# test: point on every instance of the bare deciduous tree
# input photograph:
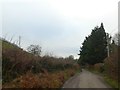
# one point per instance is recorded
(34, 49)
(116, 38)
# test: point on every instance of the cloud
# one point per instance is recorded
(59, 26)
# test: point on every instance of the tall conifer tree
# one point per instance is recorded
(93, 48)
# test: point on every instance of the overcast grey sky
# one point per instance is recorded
(58, 26)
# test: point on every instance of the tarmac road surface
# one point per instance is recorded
(86, 79)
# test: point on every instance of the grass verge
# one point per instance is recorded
(111, 82)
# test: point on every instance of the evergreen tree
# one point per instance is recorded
(93, 48)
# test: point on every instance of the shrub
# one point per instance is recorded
(111, 64)
(41, 80)
(99, 67)
(17, 62)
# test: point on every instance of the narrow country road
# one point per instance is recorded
(86, 79)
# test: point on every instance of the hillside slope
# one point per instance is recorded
(18, 64)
